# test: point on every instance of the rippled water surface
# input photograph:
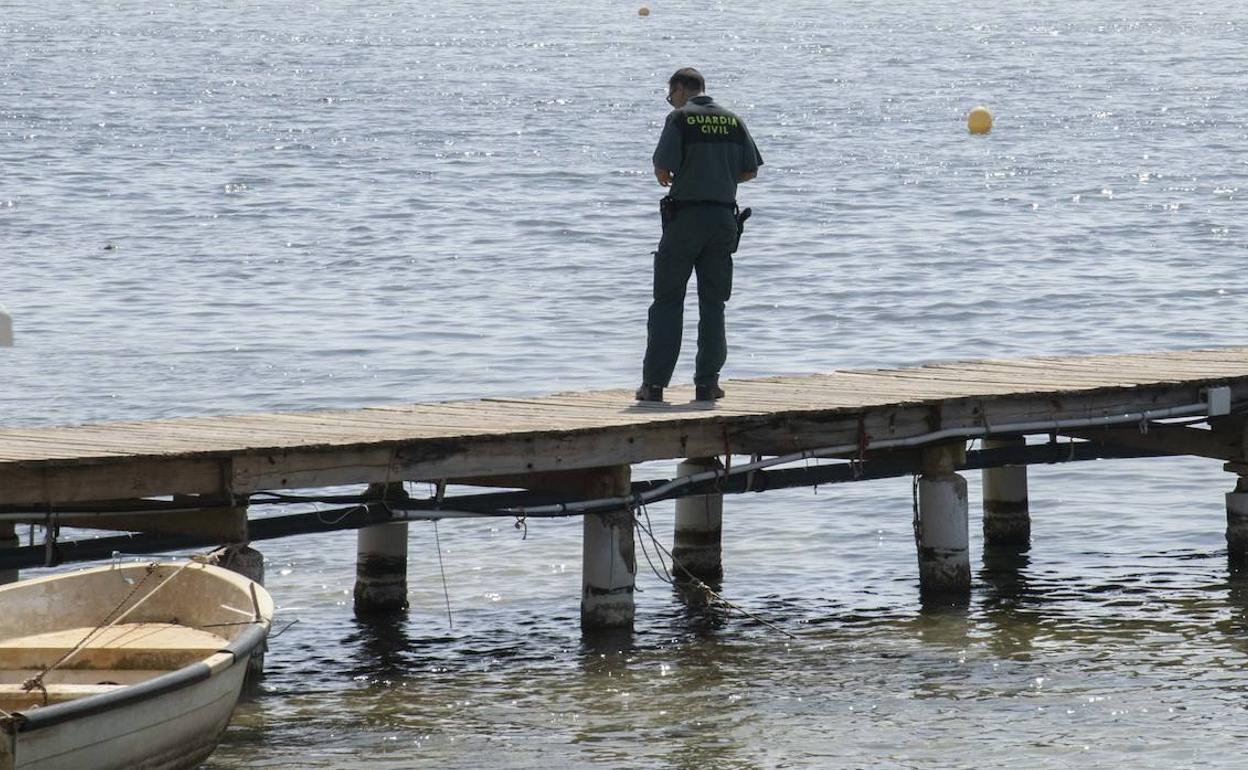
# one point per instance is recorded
(216, 207)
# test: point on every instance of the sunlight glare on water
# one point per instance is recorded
(218, 207)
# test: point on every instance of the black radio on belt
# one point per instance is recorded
(667, 209)
(741, 216)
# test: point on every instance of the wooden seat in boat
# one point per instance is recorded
(160, 646)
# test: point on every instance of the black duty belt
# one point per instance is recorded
(668, 206)
(679, 204)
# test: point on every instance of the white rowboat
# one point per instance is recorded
(134, 666)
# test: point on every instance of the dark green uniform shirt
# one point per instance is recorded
(707, 148)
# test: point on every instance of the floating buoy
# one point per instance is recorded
(643, 10)
(979, 120)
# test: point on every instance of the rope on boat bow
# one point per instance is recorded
(36, 681)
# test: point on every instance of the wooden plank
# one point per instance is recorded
(274, 432)
(1024, 377)
(227, 525)
(917, 388)
(1163, 372)
(367, 430)
(99, 440)
(1174, 440)
(266, 430)
(21, 449)
(137, 477)
(1004, 384)
(869, 388)
(1023, 380)
(1164, 367)
(524, 413)
(488, 410)
(811, 399)
(637, 413)
(1120, 377)
(1122, 369)
(91, 438)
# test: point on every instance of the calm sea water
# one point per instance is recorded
(217, 207)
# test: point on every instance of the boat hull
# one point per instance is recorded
(177, 729)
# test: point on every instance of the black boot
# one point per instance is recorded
(708, 392)
(650, 392)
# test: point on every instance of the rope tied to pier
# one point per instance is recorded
(749, 477)
(342, 513)
(666, 576)
(914, 501)
(446, 591)
(51, 531)
(856, 464)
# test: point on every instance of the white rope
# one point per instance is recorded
(659, 547)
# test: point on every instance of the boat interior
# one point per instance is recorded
(125, 654)
(98, 630)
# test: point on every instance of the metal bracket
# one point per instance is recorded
(1219, 400)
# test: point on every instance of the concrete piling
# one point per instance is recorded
(1007, 520)
(381, 560)
(1237, 524)
(699, 526)
(941, 526)
(249, 563)
(242, 559)
(609, 561)
(8, 539)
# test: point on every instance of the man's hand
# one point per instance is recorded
(663, 175)
(747, 176)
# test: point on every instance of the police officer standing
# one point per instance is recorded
(703, 153)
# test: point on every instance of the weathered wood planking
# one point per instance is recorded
(566, 431)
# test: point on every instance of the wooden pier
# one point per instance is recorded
(205, 470)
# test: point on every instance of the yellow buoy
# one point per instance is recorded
(979, 120)
(643, 10)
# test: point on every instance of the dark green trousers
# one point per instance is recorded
(699, 239)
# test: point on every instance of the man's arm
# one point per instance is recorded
(750, 159)
(668, 154)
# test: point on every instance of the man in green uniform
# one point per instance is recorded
(703, 153)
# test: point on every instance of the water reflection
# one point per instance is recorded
(686, 695)
(1237, 602)
(606, 641)
(1004, 577)
(1005, 594)
(382, 649)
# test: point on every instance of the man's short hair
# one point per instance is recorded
(687, 77)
